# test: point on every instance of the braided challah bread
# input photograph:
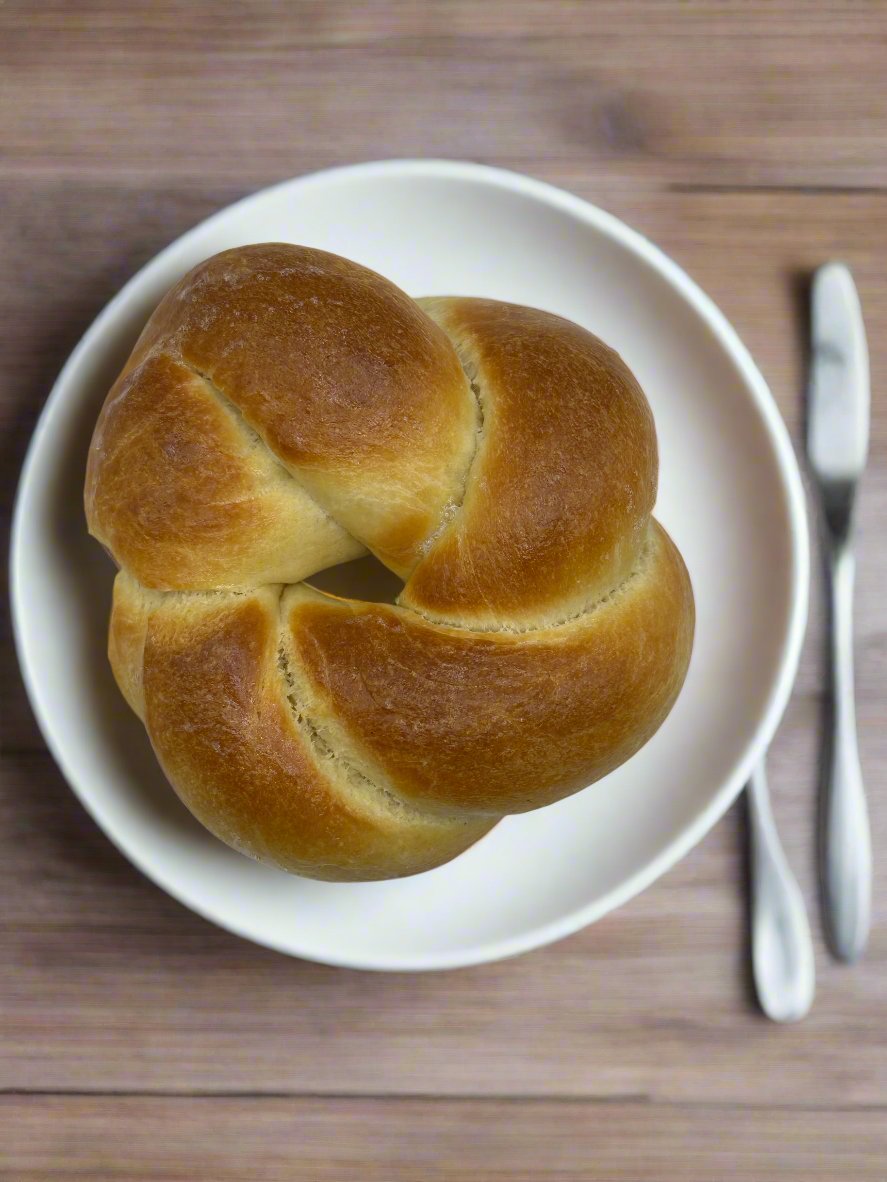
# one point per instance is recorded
(286, 410)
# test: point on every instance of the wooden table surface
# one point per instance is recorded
(749, 140)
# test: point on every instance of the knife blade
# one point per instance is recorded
(839, 394)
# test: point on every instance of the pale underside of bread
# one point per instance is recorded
(546, 621)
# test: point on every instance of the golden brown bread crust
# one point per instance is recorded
(283, 411)
(497, 722)
(186, 498)
(564, 479)
(353, 389)
(217, 709)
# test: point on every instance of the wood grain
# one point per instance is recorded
(739, 93)
(323, 1140)
(749, 140)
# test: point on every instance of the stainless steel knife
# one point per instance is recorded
(837, 446)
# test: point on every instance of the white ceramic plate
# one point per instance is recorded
(729, 493)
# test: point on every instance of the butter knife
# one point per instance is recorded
(837, 445)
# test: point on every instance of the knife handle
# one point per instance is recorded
(846, 841)
(782, 951)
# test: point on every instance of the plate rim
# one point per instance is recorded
(787, 468)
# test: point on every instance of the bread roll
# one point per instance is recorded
(286, 410)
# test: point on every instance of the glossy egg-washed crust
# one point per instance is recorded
(286, 410)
